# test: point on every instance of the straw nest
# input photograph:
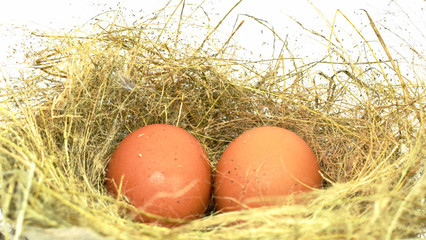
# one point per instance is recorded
(61, 121)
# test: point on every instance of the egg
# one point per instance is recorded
(163, 170)
(263, 165)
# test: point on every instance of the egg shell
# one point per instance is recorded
(263, 165)
(164, 171)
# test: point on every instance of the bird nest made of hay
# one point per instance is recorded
(83, 94)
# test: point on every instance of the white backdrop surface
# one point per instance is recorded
(402, 24)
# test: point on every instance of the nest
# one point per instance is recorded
(84, 94)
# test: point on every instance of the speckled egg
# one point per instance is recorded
(163, 170)
(261, 166)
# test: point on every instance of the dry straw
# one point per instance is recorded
(86, 92)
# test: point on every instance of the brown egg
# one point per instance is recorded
(261, 166)
(164, 171)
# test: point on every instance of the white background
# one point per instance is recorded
(402, 24)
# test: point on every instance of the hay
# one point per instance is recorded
(84, 94)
